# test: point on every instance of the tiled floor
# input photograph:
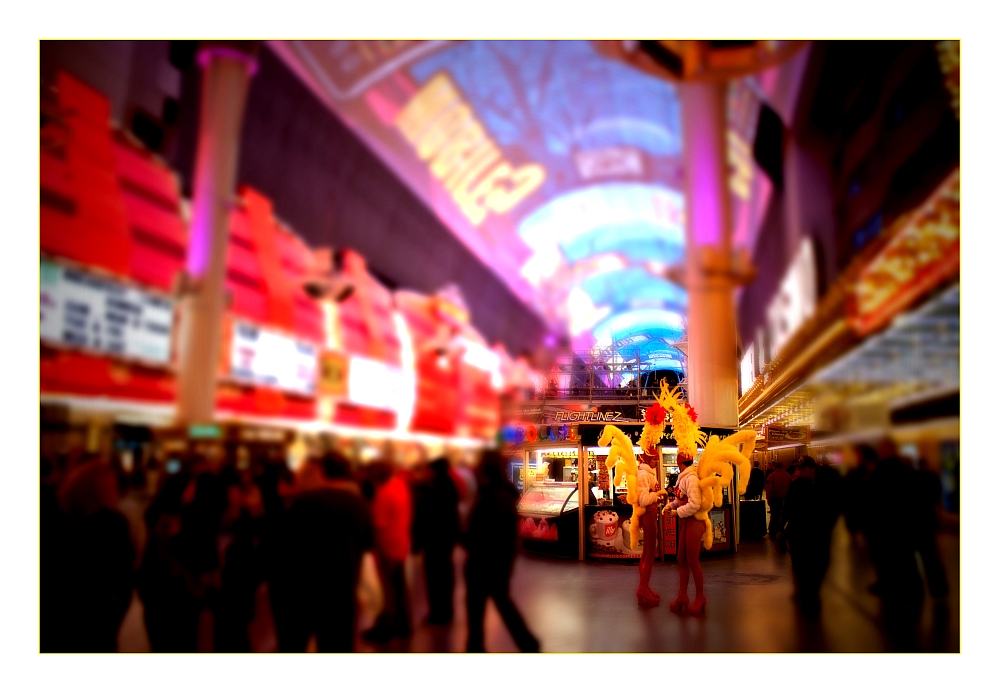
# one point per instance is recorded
(573, 606)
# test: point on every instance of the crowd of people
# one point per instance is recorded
(217, 528)
(890, 507)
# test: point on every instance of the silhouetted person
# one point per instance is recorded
(180, 573)
(439, 524)
(810, 511)
(755, 486)
(239, 537)
(926, 529)
(492, 547)
(891, 515)
(318, 550)
(392, 515)
(866, 458)
(96, 567)
(52, 554)
(776, 488)
(164, 585)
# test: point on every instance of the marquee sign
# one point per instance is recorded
(84, 310)
(264, 357)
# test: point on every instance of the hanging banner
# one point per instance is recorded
(89, 312)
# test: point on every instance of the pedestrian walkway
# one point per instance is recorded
(574, 606)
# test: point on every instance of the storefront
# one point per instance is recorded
(879, 357)
(607, 516)
(544, 464)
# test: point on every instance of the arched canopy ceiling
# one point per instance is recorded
(559, 167)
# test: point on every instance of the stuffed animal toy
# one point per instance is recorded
(622, 455)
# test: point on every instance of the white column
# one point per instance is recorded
(713, 370)
(226, 73)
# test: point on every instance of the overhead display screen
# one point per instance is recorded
(560, 167)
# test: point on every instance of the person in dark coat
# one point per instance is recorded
(925, 530)
(810, 512)
(320, 542)
(96, 565)
(179, 575)
(889, 523)
(170, 617)
(755, 486)
(776, 488)
(866, 458)
(439, 532)
(241, 573)
(492, 547)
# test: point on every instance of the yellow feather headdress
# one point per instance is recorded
(682, 421)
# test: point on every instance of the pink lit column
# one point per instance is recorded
(226, 72)
(708, 274)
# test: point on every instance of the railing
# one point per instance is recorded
(598, 375)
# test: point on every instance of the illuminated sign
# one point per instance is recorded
(948, 59)
(446, 134)
(923, 251)
(796, 299)
(262, 357)
(777, 435)
(333, 369)
(747, 376)
(517, 435)
(588, 416)
(83, 310)
(741, 165)
(206, 431)
(374, 384)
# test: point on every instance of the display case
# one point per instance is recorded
(608, 516)
(549, 518)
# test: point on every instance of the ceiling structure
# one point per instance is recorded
(558, 166)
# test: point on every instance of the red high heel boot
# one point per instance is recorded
(647, 597)
(698, 605)
(679, 604)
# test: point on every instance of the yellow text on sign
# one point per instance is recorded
(446, 134)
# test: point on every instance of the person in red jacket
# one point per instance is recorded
(775, 490)
(392, 514)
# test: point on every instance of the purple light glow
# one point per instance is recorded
(208, 54)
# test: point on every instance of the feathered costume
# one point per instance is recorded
(715, 467)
